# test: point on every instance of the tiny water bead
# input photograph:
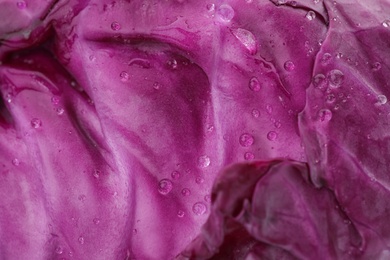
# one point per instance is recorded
(199, 180)
(311, 15)
(207, 198)
(246, 140)
(255, 113)
(21, 4)
(36, 123)
(272, 135)
(246, 38)
(165, 186)
(60, 111)
(336, 78)
(199, 208)
(326, 59)
(203, 161)
(115, 26)
(124, 76)
(225, 13)
(175, 175)
(96, 174)
(15, 162)
(81, 240)
(254, 84)
(172, 64)
(386, 23)
(55, 100)
(185, 192)
(289, 65)
(325, 115)
(96, 221)
(180, 213)
(59, 250)
(249, 156)
(331, 98)
(376, 66)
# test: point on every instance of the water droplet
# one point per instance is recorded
(331, 98)
(382, 99)
(203, 161)
(59, 250)
(124, 76)
(165, 186)
(269, 109)
(180, 213)
(254, 84)
(55, 100)
(175, 175)
(325, 115)
(272, 135)
(81, 240)
(207, 198)
(255, 113)
(172, 64)
(278, 124)
(36, 123)
(8, 98)
(310, 15)
(376, 66)
(249, 156)
(336, 78)
(225, 12)
(199, 180)
(60, 111)
(185, 192)
(15, 162)
(246, 140)
(21, 5)
(339, 55)
(246, 38)
(156, 85)
(316, 1)
(82, 197)
(319, 81)
(210, 7)
(135, 231)
(96, 174)
(326, 58)
(386, 23)
(115, 26)
(199, 208)
(289, 65)
(92, 58)
(96, 221)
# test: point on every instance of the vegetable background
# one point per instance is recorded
(194, 129)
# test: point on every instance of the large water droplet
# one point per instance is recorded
(175, 175)
(246, 140)
(382, 99)
(336, 78)
(310, 15)
(249, 156)
(319, 81)
(115, 26)
(36, 123)
(185, 192)
(272, 135)
(199, 208)
(289, 65)
(225, 12)
(203, 161)
(246, 38)
(325, 115)
(165, 186)
(254, 84)
(124, 76)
